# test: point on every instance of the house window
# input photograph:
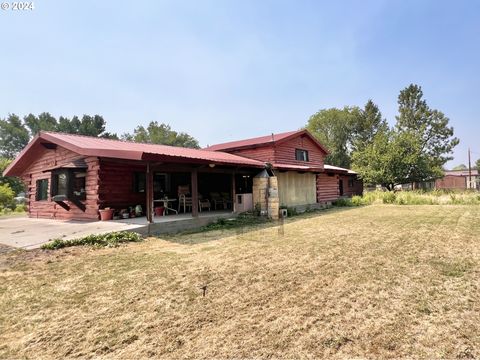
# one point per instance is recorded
(139, 182)
(351, 182)
(42, 190)
(70, 183)
(79, 184)
(301, 155)
(61, 184)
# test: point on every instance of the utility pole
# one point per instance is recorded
(469, 170)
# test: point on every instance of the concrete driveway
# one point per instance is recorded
(26, 233)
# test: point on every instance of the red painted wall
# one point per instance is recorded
(116, 185)
(327, 188)
(48, 158)
(285, 152)
(451, 182)
(356, 189)
(262, 153)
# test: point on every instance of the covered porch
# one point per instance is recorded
(172, 192)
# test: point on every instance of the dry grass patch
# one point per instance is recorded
(379, 281)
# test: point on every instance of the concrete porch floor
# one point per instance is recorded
(142, 220)
(29, 233)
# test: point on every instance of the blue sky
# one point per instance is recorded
(223, 70)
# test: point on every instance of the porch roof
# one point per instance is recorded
(338, 169)
(93, 146)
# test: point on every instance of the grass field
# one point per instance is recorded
(378, 281)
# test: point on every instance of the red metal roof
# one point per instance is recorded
(281, 166)
(265, 140)
(261, 140)
(338, 169)
(93, 146)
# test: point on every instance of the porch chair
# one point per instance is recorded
(226, 200)
(186, 202)
(217, 200)
(183, 199)
(203, 203)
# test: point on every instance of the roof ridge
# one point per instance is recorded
(115, 140)
(257, 137)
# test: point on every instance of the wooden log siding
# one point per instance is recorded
(116, 185)
(356, 189)
(327, 188)
(262, 153)
(285, 152)
(48, 158)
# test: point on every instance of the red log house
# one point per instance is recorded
(73, 177)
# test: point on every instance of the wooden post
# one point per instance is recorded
(233, 193)
(149, 192)
(194, 192)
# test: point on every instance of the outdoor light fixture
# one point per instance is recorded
(211, 165)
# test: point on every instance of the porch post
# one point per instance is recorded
(194, 192)
(149, 192)
(233, 193)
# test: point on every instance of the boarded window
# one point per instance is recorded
(42, 190)
(301, 155)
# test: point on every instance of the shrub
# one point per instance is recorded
(342, 202)
(7, 196)
(389, 198)
(101, 240)
(20, 208)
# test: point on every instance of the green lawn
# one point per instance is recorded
(378, 281)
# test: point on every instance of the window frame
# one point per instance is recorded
(304, 158)
(70, 174)
(37, 190)
(351, 182)
(136, 182)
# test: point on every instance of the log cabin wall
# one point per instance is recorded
(352, 185)
(116, 185)
(262, 153)
(327, 187)
(285, 152)
(48, 158)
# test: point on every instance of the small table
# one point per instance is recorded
(165, 205)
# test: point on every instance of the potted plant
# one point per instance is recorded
(106, 214)
(124, 214)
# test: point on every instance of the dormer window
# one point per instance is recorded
(301, 155)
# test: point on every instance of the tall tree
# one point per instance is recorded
(477, 164)
(13, 136)
(391, 159)
(430, 126)
(367, 124)
(92, 125)
(460, 167)
(44, 121)
(333, 128)
(156, 133)
(14, 182)
(415, 150)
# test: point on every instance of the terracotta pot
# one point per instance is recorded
(159, 211)
(106, 214)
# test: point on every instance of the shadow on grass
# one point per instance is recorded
(243, 225)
